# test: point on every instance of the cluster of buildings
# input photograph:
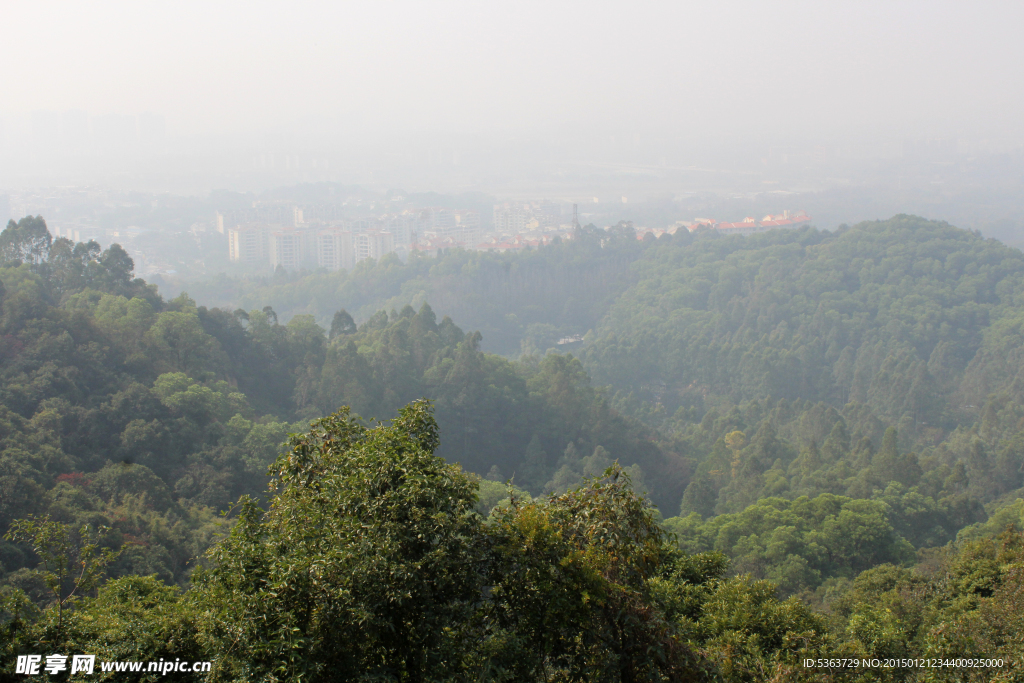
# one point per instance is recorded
(77, 232)
(301, 238)
(517, 225)
(296, 238)
(526, 216)
(749, 225)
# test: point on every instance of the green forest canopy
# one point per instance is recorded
(811, 406)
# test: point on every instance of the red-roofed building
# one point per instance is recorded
(749, 225)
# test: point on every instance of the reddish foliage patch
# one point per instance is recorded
(79, 479)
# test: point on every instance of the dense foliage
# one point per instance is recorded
(810, 444)
(537, 296)
(146, 416)
(370, 563)
(911, 318)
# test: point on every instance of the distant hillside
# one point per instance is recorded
(919, 320)
(914, 318)
(536, 296)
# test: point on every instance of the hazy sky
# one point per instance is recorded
(702, 70)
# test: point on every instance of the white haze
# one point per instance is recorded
(402, 85)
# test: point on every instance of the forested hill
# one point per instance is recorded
(914, 318)
(525, 300)
(875, 363)
(918, 320)
(149, 416)
(830, 415)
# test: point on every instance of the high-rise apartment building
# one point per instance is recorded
(403, 228)
(467, 227)
(249, 244)
(373, 244)
(511, 217)
(442, 221)
(520, 216)
(292, 249)
(381, 243)
(548, 214)
(335, 249)
(453, 225)
(338, 246)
